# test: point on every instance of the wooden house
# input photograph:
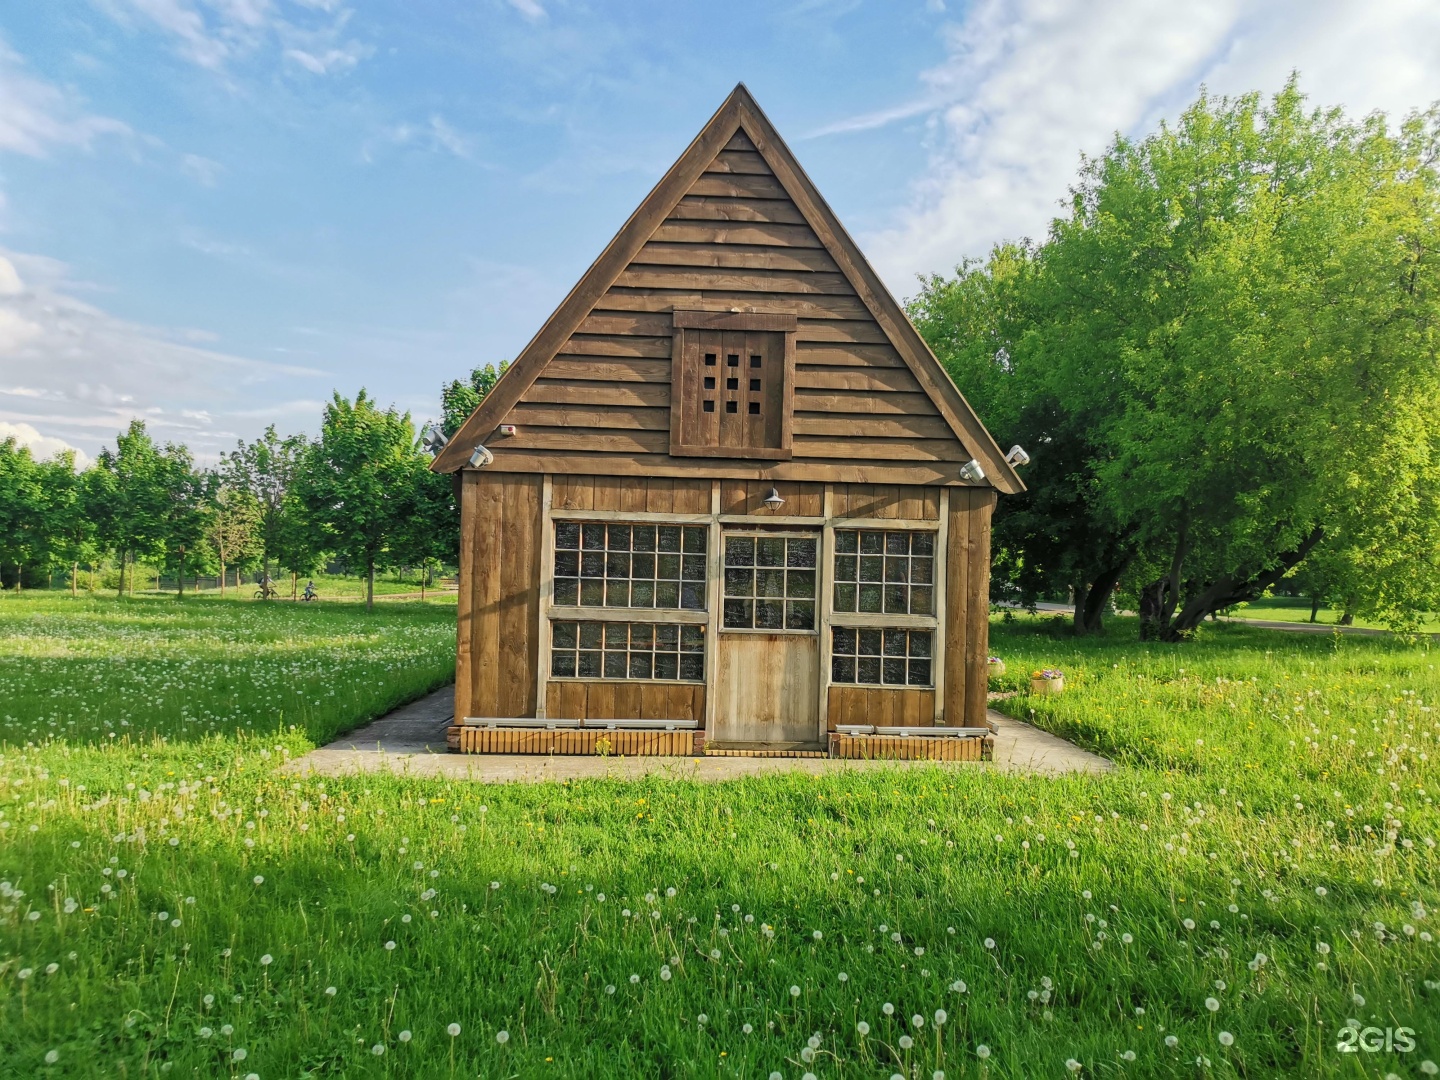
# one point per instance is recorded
(726, 498)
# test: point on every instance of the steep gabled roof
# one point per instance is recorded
(738, 115)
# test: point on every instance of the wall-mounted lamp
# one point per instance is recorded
(1017, 456)
(773, 500)
(481, 457)
(508, 430)
(433, 439)
(971, 472)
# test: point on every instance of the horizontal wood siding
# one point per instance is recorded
(748, 497)
(967, 606)
(734, 242)
(881, 706)
(624, 700)
(631, 494)
(902, 502)
(499, 599)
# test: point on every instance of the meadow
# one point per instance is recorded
(1257, 874)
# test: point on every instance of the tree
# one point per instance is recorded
(1230, 343)
(233, 526)
(357, 482)
(459, 398)
(22, 538)
(70, 532)
(129, 497)
(265, 469)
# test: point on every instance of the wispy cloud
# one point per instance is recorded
(436, 134)
(214, 34)
(76, 374)
(35, 115)
(531, 9)
(1027, 86)
(41, 446)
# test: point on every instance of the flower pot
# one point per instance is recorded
(997, 668)
(1047, 686)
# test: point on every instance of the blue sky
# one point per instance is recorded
(215, 212)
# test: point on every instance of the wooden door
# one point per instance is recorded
(767, 684)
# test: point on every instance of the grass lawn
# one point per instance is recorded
(1259, 871)
(1297, 609)
(329, 586)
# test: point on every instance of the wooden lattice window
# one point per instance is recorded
(732, 385)
(881, 657)
(884, 572)
(626, 650)
(624, 565)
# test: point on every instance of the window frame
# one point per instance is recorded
(671, 614)
(684, 323)
(731, 532)
(703, 652)
(907, 658)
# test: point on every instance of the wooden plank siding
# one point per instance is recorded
(733, 242)
(881, 706)
(497, 647)
(567, 699)
(967, 606)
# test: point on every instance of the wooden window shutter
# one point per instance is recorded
(732, 385)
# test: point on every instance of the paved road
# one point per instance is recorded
(411, 740)
(1266, 624)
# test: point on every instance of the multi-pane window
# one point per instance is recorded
(641, 566)
(622, 650)
(881, 657)
(769, 583)
(885, 572)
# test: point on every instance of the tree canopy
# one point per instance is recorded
(1223, 360)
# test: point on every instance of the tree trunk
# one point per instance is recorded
(179, 580)
(1090, 616)
(121, 591)
(1314, 608)
(370, 586)
(222, 577)
(1079, 593)
(1230, 589)
(19, 575)
(294, 577)
(74, 574)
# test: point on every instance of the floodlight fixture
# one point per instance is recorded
(971, 472)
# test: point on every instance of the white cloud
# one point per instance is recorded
(531, 9)
(41, 446)
(35, 115)
(201, 169)
(78, 373)
(10, 283)
(215, 34)
(437, 135)
(1028, 85)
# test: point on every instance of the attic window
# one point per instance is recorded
(754, 420)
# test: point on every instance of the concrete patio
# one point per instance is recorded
(411, 741)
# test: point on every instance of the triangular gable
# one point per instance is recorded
(604, 353)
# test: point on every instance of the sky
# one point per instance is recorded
(216, 213)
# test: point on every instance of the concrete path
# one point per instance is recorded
(411, 741)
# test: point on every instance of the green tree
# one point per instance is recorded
(1229, 345)
(22, 538)
(460, 397)
(232, 528)
(70, 533)
(130, 498)
(265, 469)
(357, 483)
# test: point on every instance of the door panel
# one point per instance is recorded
(768, 689)
(768, 679)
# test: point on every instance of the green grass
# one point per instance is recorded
(1258, 770)
(1297, 609)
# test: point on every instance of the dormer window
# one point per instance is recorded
(746, 413)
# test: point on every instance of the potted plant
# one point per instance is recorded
(1047, 681)
(996, 667)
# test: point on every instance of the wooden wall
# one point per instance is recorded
(888, 501)
(499, 602)
(632, 494)
(881, 705)
(624, 700)
(967, 606)
(735, 241)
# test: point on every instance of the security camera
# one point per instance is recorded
(971, 472)
(480, 457)
(1017, 456)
